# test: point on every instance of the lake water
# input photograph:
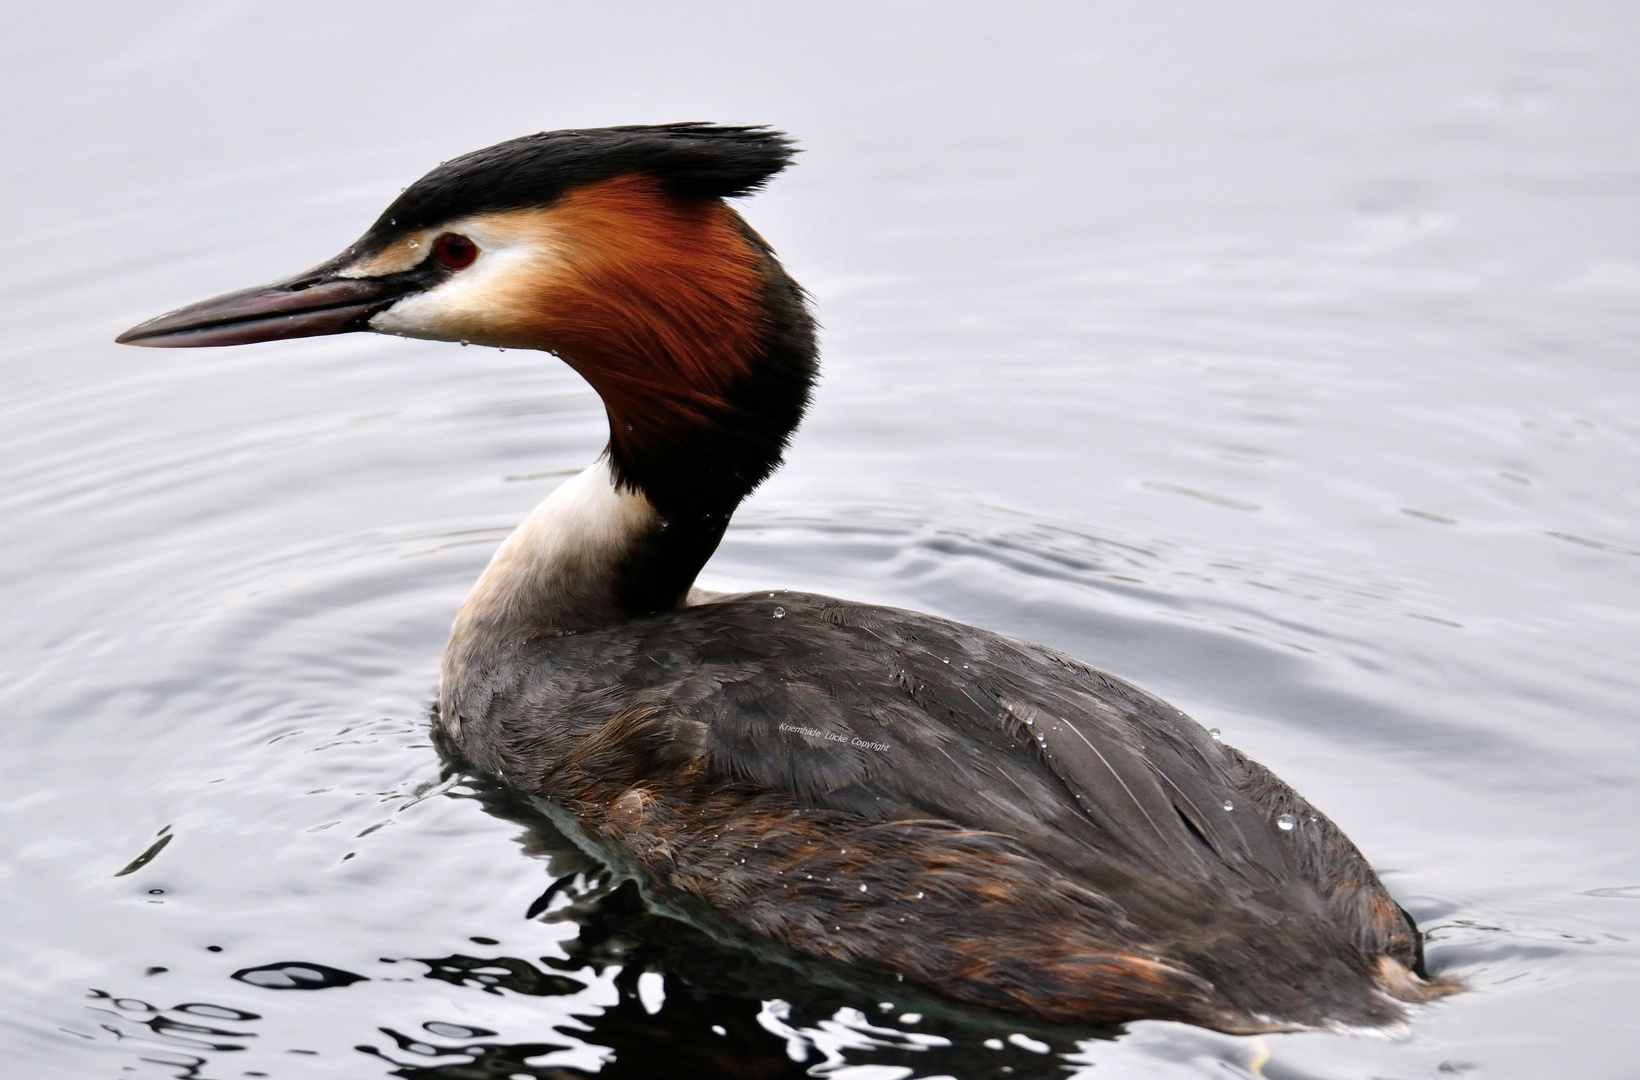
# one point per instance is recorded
(1278, 357)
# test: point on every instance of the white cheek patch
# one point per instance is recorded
(479, 304)
(470, 305)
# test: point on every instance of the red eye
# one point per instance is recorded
(454, 251)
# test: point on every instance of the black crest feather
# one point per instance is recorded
(691, 160)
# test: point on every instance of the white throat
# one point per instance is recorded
(559, 569)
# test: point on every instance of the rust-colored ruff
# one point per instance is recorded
(653, 299)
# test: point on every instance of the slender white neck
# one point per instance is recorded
(560, 569)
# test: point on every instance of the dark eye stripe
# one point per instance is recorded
(454, 251)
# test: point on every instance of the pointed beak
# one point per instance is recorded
(308, 305)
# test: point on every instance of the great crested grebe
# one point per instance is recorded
(863, 785)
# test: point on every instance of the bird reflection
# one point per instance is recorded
(722, 1010)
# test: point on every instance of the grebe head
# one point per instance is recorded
(611, 248)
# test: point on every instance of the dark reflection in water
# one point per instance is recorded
(708, 1009)
(500, 973)
(178, 1032)
(296, 976)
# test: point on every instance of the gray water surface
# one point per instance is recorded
(1278, 357)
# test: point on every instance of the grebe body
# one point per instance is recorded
(861, 785)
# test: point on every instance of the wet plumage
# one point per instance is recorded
(1054, 835)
